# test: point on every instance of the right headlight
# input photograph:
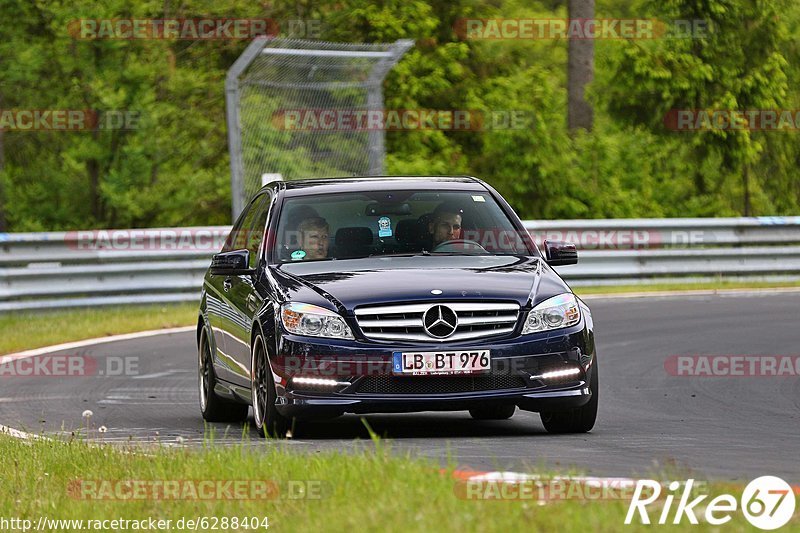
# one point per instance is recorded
(557, 312)
(313, 321)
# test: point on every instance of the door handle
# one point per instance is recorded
(226, 285)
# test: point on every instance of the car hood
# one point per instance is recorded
(350, 283)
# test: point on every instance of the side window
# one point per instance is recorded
(256, 233)
(237, 239)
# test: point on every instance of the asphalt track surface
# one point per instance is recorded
(733, 428)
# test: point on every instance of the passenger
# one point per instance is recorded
(314, 233)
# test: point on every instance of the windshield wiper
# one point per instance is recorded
(403, 254)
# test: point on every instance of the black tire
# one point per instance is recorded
(269, 422)
(493, 412)
(577, 420)
(214, 408)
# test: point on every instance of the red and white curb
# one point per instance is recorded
(477, 485)
(516, 477)
(17, 434)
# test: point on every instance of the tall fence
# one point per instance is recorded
(87, 268)
(277, 91)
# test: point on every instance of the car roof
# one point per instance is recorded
(379, 183)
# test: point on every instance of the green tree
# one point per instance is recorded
(739, 64)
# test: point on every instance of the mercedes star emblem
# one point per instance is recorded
(440, 321)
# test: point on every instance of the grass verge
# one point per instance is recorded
(34, 329)
(326, 491)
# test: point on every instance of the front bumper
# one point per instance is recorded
(305, 406)
(523, 358)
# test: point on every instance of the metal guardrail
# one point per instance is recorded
(89, 268)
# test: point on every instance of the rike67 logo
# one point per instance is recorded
(767, 502)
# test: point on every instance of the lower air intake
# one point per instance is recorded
(437, 384)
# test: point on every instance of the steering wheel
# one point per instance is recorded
(459, 245)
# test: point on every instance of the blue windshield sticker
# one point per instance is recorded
(298, 255)
(384, 227)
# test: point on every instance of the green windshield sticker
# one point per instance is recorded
(298, 255)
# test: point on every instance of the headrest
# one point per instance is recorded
(300, 213)
(355, 236)
(408, 231)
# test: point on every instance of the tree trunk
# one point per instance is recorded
(3, 223)
(93, 170)
(580, 69)
(746, 179)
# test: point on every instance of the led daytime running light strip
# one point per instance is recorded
(318, 381)
(559, 373)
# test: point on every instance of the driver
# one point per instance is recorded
(314, 232)
(445, 224)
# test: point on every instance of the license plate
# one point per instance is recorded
(441, 363)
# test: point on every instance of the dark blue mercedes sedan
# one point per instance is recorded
(364, 295)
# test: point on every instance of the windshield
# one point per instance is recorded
(383, 223)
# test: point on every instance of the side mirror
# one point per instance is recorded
(232, 263)
(559, 253)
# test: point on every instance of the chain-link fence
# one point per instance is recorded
(276, 93)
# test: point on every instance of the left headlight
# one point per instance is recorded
(313, 321)
(557, 312)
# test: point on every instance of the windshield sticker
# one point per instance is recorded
(298, 255)
(478, 198)
(384, 227)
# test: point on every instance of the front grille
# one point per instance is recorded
(437, 384)
(404, 322)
